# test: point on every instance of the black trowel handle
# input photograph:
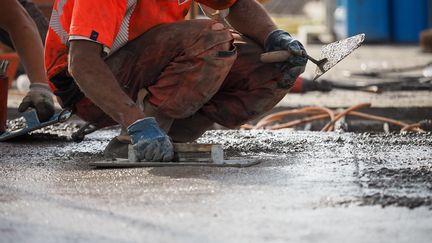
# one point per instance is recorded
(275, 56)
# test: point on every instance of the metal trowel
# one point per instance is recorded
(32, 123)
(331, 54)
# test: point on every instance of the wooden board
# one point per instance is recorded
(186, 154)
(191, 152)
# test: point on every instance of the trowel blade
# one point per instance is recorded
(32, 123)
(337, 51)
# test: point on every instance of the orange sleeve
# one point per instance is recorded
(97, 20)
(218, 4)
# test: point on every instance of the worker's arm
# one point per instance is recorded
(251, 19)
(247, 13)
(25, 36)
(26, 40)
(98, 83)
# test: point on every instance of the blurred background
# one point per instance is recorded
(383, 21)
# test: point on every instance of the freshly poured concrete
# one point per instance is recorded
(310, 187)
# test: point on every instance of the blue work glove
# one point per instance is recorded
(149, 142)
(280, 40)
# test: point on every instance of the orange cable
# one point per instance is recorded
(411, 127)
(378, 118)
(279, 115)
(247, 126)
(329, 125)
(334, 118)
(299, 122)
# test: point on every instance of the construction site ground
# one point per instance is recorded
(309, 186)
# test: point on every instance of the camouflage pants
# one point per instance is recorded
(191, 67)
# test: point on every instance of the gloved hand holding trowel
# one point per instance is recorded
(331, 54)
(292, 67)
(40, 98)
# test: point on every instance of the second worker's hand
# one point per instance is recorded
(150, 142)
(280, 40)
(40, 98)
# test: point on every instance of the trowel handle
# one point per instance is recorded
(275, 56)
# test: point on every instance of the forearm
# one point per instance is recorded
(247, 13)
(98, 83)
(25, 37)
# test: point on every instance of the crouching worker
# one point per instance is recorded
(137, 63)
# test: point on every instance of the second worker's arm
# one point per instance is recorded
(26, 40)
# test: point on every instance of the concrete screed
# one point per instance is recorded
(310, 187)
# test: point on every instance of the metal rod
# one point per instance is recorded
(4, 86)
(3, 67)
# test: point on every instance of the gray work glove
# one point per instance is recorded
(40, 98)
(149, 141)
(280, 40)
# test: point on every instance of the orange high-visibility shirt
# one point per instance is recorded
(111, 23)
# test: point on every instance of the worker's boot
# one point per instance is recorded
(189, 129)
(118, 146)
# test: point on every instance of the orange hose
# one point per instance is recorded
(328, 127)
(279, 115)
(299, 122)
(247, 126)
(317, 115)
(378, 118)
(415, 126)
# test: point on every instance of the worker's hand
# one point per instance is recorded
(280, 40)
(40, 98)
(149, 142)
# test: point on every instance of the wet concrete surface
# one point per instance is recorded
(310, 187)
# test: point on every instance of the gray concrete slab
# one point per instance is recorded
(309, 187)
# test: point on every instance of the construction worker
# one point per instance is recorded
(19, 31)
(138, 64)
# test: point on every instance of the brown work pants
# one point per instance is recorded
(193, 67)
